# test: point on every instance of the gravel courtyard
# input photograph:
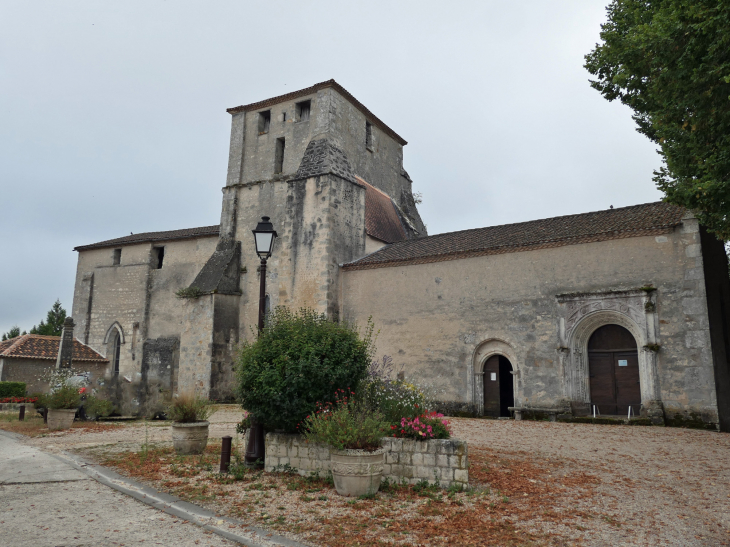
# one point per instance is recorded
(568, 484)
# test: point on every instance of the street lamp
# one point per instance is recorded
(264, 236)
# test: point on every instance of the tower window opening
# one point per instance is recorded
(303, 109)
(279, 156)
(264, 122)
(159, 255)
(368, 135)
(117, 257)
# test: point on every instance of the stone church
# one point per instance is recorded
(614, 312)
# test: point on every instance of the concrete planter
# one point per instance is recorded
(190, 438)
(60, 418)
(357, 472)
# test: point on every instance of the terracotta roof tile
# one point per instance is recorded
(309, 91)
(185, 233)
(36, 346)
(637, 220)
(381, 218)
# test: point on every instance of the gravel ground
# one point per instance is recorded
(634, 485)
(665, 486)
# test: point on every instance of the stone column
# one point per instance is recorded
(66, 347)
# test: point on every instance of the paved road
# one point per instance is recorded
(46, 500)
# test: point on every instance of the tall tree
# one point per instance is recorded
(669, 60)
(53, 325)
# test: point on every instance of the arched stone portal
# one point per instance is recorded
(613, 366)
(498, 357)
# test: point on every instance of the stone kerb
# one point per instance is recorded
(406, 460)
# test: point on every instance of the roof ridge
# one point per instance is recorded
(18, 343)
(160, 235)
(543, 219)
(358, 177)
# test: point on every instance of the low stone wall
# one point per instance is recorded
(29, 407)
(406, 460)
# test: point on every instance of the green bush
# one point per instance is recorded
(188, 409)
(64, 397)
(299, 359)
(12, 389)
(97, 408)
(345, 425)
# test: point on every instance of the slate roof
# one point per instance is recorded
(381, 218)
(637, 220)
(309, 91)
(146, 237)
(36, 346)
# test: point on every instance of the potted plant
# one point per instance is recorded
(62, 404)
(189, 414)
(354, 434)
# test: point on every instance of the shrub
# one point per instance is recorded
(64, 397)
(395, 399)
(97, 408)
(188, 408)
(345, 425)
(12, 389)
(299, 359)
(426, 426)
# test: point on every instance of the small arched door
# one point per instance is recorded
(498, 386)
(613, 362)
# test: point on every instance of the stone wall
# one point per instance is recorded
(406, 460)
(442, 320)
(32, 372)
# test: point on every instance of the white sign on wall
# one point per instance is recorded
(494, 376)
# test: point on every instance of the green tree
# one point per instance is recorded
(12, 333)
(669, 60)
(53, 325)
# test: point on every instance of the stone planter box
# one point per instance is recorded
(406, 460)
(59, 419)
(190, 438)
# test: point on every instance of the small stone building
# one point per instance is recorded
(618, 311)
(31, 357)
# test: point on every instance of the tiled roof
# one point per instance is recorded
(36, 346)
(185, 233)
(316, 87)
(637, 220)
(381, 218)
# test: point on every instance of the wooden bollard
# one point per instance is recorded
(21, 416)
(225, 454)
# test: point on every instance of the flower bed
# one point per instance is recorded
(19, 400)
(442, 461)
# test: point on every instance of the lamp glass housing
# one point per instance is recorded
(264, 236)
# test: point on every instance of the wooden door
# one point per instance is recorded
(491, 387)
(613, 363)
(628, 387)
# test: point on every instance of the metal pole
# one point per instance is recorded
(262, 296)
(21, 416)
(225, 454)
(255, 451)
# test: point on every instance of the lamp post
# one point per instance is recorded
(264, 236)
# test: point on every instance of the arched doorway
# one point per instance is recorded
(613, 364)
(498, 386)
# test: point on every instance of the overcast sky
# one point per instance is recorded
(113, 114)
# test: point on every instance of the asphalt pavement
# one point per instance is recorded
(61, 500)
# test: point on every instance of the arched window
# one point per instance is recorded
(116, 352)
